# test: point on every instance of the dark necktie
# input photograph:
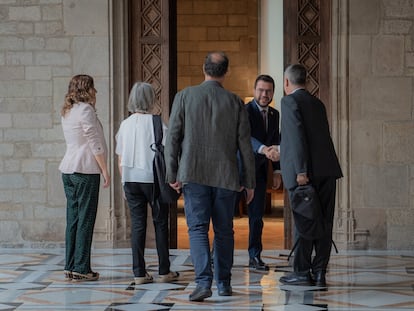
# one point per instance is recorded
(264, 115)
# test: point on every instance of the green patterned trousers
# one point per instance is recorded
(82, 192)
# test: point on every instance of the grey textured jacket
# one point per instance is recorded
(208, 126)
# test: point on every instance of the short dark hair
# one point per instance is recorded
(296, 74)
(265, 78)
(216, 64)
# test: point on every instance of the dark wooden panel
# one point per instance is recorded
(153, 48)
(307, 40)
(153, 54)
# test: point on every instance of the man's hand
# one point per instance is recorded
(272, 153)
(277, 181)
(176, 186)
(302, 179)
(249, 195)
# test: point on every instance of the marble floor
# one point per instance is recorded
(358, 280)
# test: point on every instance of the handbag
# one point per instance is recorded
(307, 212)
(162, 190)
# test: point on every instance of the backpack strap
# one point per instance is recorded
(158, 133)
(334, 245)
(157, 123)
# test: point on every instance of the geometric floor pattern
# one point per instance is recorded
(32, 280)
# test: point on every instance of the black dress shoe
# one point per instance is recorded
(225, 291)
(258, 264)
(200, 293)
(319, 279)
(297, 279)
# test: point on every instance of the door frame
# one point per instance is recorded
(307, 39)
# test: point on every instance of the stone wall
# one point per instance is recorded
(381, 70)
(210, 25)
(43, 43)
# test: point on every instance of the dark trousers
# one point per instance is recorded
(255, 212)
(202, 204)
(82, 193)
(303, 263)
(138, 196)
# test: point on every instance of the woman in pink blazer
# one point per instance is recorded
(85, 159)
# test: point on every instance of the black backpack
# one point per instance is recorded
(163, 193)
(307, 213)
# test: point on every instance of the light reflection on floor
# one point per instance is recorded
(33, 280)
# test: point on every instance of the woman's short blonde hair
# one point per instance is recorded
(141, 97)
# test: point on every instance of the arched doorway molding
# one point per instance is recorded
(345, 234)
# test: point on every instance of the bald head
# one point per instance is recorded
(216, 64)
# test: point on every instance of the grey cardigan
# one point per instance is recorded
(208, 128)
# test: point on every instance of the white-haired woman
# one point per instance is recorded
(135, 160)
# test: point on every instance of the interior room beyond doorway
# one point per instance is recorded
(273, 231)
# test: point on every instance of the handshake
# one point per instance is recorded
(272, 152)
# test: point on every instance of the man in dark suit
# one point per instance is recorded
(307, 155)
(264, 124)
(208, 127)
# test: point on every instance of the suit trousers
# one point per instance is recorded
(255, 212)
(82, 193)
(202, 204)
(138, 196)
(326, 190)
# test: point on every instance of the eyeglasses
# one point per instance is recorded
(266, 91)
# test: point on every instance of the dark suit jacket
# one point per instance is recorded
(259, 135)
(207, 127)
(306, 145)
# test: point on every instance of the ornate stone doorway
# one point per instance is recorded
(152, 55)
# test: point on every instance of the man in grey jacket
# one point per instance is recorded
(208, 127)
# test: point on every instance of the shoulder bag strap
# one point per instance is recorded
(156, 120)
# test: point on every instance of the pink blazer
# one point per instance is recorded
(84, 139)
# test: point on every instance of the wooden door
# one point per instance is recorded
(153, 56)
(307, 40)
